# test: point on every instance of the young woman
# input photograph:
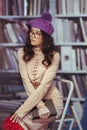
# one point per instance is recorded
(38, 64)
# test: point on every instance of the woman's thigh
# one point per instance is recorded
(37, 124)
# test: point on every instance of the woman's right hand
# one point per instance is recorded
(15, 118)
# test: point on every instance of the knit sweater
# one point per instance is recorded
(38, 81)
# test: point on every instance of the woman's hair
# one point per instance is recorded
(48, 48)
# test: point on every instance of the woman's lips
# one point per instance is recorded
(32, 40)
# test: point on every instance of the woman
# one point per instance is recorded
(38, 64)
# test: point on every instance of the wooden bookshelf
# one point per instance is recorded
(70, 19)
(14, 14)
(52, 6)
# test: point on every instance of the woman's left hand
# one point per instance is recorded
(15, 118)
(45, 116)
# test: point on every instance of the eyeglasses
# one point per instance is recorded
(37, 35)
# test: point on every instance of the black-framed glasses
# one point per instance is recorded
(37, 35)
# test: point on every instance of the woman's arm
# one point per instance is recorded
(40, 92)
(24, 75)
(29, 88)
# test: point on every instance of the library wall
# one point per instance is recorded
(70, 36)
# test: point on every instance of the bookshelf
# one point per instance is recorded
(14, 14)
(69, 19)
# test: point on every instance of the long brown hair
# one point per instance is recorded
(47, 49)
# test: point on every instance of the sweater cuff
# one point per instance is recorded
(40, 105)
(43, 111)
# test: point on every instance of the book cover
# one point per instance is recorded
(66, 58)
(50, 105)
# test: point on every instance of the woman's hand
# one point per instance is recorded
(45, 116)
(15, 118)
(44, 112)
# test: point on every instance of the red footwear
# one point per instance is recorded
(9, 125)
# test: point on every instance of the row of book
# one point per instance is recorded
(13, 32)
(73, 27)
(37, 7)
(23, 7)
(79, 82)
(13, 91)
(70, 7)
(9, 59)
(79, 92)
(73, 59)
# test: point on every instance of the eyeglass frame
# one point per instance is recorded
(36, 35)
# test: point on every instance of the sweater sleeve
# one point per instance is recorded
(40, 92)
(23, 72)
(25, 79)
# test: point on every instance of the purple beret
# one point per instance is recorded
(43, 23)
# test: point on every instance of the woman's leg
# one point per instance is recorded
(9, 125)
(38, 124)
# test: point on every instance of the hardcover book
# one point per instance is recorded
(49, 104)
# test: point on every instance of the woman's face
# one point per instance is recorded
(36, 37)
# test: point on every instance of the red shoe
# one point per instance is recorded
(9, 125)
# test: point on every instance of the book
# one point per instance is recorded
(11, 33)
(82, 6)
(83, 59)
(39, 7)
(66, 58)
(77, 90)
(62, 6)
(81, 85)
(74, 66)
(59, 34)
(59, 85)
(20, 4)
(85, 7)
(83, 29)
(25, 7)
(76, 6)
(4, 59)
(69, 6)
(78, 109)
(78, 60)
(50, 105)
(15, 8)
(1, 7)
(2, 38)
(20, 32)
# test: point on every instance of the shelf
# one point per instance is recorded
(82, 44)
(69, 15)
(8, 73)
(82, 72)
(11, 45)
(37, 16)
(74, 99)
(77, 99)
(18, 16)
